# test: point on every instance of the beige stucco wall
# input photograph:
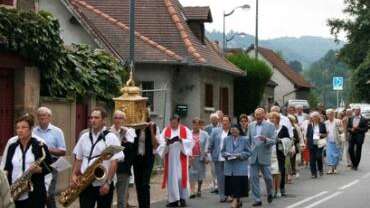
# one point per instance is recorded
(70, 33)
(218, 79)
(186, 86)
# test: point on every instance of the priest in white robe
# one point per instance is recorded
(175, 147)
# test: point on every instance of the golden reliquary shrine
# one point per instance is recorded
(132, 104)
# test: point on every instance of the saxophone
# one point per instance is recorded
(24, 184)
(96, 171)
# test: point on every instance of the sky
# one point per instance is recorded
(277, 18)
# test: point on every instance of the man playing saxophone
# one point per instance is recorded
(88, 149)
(26, 161)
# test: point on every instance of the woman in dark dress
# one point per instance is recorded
(20, 154)
(236, 152)
(316, 131)
(282, 133)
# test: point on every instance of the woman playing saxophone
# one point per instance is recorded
(26, 161)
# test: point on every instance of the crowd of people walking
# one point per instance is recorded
(261, 144)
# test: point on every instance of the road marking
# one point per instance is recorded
(324, 199)
(366, 176)
(307, 199)
(349, 185)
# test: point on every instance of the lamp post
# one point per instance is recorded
(256, 36)
(242, 34)
(245, 6)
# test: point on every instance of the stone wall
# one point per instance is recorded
(27, 90)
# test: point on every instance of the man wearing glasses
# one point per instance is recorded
(127, 137)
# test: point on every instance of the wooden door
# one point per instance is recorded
(6, 106)
(81, 118)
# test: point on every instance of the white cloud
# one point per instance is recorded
(277, 18)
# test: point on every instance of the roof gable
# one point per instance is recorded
(198, 13)
(284, 68)
(162, 33)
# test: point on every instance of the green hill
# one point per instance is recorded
(306, 49)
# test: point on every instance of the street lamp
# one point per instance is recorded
(242, 34)
(245, 6)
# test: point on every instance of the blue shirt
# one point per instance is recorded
(53, 136)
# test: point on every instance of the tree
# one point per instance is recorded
(313, 99)
(360, 81)
(248, 90)
(296, 65)
(356, 50)
(321, 75)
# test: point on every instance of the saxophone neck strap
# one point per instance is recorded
(93, 144)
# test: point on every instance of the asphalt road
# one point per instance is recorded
(347, 189)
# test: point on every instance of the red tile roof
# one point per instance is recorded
(198, 13)
(284, 68)
(162, 34)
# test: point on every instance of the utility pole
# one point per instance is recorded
(256, 38)
(132, 35)
(223, 35)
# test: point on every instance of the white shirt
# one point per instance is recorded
(130, 133)
(17, 160)
(300, 119)
(223, 136)
(330, 128)
(258, 129)
(316, 132)
(284, 121)
(83, 148)
(356, 121)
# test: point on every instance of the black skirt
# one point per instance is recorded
(236, 186)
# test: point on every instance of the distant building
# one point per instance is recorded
(171, 51)
(291, 85)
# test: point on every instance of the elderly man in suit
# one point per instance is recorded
(357, 128)
(262, 137)
(215, 145)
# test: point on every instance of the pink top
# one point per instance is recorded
(196, 148)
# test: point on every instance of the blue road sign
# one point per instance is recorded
(338, 83)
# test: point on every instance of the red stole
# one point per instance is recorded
(183, 159)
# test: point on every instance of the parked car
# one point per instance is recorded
(304, 103)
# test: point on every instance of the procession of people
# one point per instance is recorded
(266, 144)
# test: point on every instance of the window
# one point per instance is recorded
(148, 85)
(209, 95)
(224, 100)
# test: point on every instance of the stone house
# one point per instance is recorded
(178, 68)
(291, 84)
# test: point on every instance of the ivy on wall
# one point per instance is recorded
(73, 71)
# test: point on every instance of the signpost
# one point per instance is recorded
(338, 83)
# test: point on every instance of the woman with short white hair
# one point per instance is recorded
(334, 142)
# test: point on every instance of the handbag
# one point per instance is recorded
(321, 143)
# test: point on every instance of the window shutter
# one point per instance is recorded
(209, 95)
